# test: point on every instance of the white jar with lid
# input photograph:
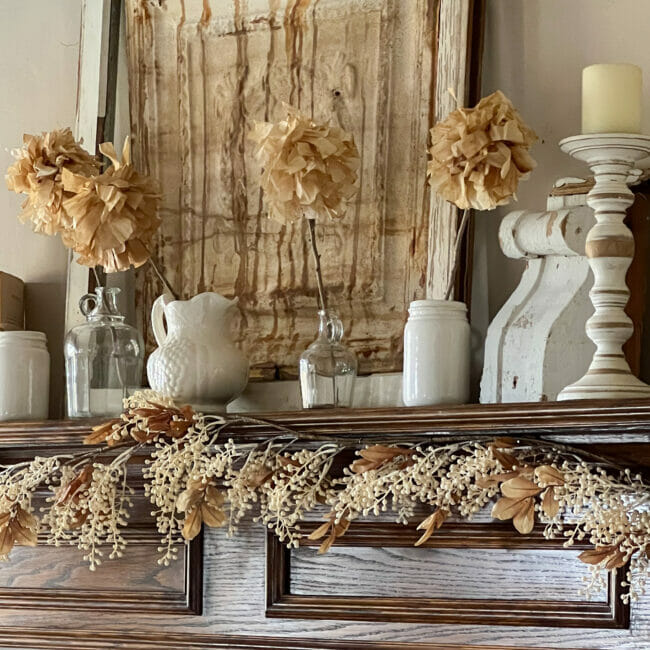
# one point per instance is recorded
(436, 353)
(24, 376)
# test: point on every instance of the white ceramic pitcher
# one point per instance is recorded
(196, 361)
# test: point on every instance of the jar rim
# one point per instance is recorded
(25, 335)
(438, 304)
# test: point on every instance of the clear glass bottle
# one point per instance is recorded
(327, 368)
(103, 358)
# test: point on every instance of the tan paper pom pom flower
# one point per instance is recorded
(37, 173)
(113, 214)
(310, 169)
(479, 155)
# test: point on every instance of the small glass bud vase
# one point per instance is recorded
(103, 358)
(327, 368)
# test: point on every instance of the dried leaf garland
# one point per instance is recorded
(193, 478)
(478, 155)
(37, 173)
(114, 214)
(310, 168)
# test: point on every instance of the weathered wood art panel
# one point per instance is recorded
(202, 71)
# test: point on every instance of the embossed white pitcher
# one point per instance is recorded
(196, 361)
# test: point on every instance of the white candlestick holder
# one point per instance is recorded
(609, 248)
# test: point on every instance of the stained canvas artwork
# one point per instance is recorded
(201, 74)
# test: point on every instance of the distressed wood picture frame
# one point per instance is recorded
(201, 72)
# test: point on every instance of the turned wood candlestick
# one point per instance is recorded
(609, 248)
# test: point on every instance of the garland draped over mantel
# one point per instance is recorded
(195, 475)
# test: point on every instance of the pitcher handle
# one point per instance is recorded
(158, 319)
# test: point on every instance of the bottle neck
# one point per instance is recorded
(330, 327)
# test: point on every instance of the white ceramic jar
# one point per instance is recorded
(436, 353)
(24, 376)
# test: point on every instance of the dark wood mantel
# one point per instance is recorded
(474, 585)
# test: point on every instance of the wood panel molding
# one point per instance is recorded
(116, 594)
(281, 603)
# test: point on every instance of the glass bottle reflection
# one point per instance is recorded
(327, 368)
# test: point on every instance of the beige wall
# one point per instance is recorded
(39, 47)
(535, 51)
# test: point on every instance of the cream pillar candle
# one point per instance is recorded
(611, 98)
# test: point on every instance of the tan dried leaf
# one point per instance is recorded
(192, 524)
(550, 505)
(375, 456)
(519, 487)
(507, 508)
(7, 540)
(549, 475)
(524, 520)
(504, 442)
(79, 483)
(327, 544)
(616, 560)
(596, 555)
(431, 524)
(492, 480)
(188, 499)
(212, 515)
(23, 536)
(321, 531)
(101, 432)
(508, 461)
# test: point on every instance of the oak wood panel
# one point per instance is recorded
(48, 578)
(387, 586)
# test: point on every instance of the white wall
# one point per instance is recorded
(535, 51)
(39, 48)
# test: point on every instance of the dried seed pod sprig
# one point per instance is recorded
(194, 475)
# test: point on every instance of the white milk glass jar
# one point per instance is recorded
(436, 353)
(24, 376)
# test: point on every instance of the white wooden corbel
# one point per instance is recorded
(536, 344)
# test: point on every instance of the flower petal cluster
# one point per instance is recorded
(479, 155)
(310, 168)
(37, 173)
(113, 215)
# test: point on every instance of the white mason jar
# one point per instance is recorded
(436, 353)
(24, 376)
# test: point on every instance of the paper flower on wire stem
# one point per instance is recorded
(310, 168)
(479, 155)
(37, 173)
(113, 214)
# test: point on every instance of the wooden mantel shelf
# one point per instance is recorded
(605, 419)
